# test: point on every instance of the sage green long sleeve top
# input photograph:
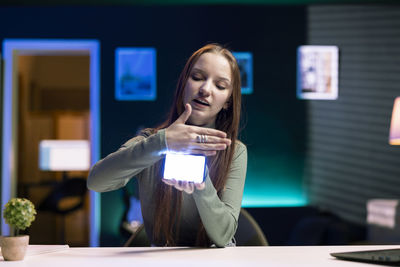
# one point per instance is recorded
(138, 156)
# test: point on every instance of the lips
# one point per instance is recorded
(201, 102)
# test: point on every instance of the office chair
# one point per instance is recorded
(132, 222)
(138, 238)
(249, 232)
(65, 197)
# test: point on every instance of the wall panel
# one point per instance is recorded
(349, 159)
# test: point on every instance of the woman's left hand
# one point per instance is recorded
(186, 186)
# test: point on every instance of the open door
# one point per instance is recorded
(27, 113)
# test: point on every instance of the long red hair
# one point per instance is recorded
(168, 199)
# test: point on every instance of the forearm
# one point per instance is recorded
(219, 219)
(219, 215)
(115, 170)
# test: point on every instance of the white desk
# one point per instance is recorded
(239, 256)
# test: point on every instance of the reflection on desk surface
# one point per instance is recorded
(43, 249)
(276, 256)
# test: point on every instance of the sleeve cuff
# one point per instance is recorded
(208, 189)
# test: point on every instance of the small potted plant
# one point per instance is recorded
(19, 213)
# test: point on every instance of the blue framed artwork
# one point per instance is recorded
(135, 74)
(245, 62)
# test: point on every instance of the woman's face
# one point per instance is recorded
(208, 88)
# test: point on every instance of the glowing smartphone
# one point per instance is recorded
(181, 167)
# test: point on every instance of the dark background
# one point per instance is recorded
(273, 119)
(333, 155)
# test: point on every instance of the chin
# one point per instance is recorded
(197, 121)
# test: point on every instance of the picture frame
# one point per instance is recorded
(317, 72)
(135, 74)
(245, 63)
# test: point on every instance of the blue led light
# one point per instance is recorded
(11, 47)
(254, 201)
(273, 188)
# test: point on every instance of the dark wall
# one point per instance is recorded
(349, 157)
(273, 118)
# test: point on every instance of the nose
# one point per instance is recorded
(205, 88)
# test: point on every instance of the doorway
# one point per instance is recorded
(51, 91)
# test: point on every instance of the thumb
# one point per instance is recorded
(185, 115)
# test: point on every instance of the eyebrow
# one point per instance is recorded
(204, 73)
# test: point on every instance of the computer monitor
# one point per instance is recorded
(64, 155)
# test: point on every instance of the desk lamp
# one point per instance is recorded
(394, 136)
(382, 214)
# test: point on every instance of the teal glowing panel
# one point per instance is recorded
(274, 182)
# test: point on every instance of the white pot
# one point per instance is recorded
(14, 248)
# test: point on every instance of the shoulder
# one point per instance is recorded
(240, 150)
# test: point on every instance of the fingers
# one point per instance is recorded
(185, 115)
(168, 182)
(207, 146)
(206, 149)
(217, 140)
(185, 186)
(203, 152)
(213, 139)
(200, 186)
(208, 142)
(208, 131)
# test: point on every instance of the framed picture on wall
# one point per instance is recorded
(135, 74)
(245, 62)
(317, 72)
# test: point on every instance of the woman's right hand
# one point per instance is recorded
(185, 138)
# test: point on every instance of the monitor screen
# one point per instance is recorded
(64, 155)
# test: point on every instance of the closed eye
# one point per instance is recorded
(197, 77)
(198, 74)
(221, 85)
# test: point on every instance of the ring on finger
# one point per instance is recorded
(202, 138)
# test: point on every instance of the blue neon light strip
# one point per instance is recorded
(7, 146)
(35, 45)
(263, 201)
(95, 204)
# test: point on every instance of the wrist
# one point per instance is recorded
(163, 141)
(166, 134)
(166, 141)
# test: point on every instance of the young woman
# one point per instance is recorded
(204, 119)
